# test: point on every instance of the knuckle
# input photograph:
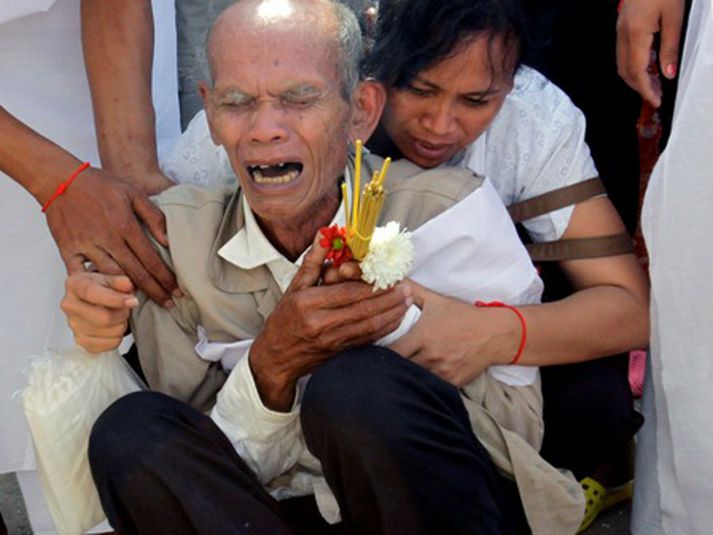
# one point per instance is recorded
(311, 328)
(83, 341)
(73, 325)
(103, 318)
(372, 325)
(117, 331)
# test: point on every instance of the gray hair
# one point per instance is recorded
(350, 49)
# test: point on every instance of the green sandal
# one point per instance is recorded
(600, 498)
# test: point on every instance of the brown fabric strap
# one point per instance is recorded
(556, 199)
(580, 248)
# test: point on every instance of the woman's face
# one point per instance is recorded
(446, 107)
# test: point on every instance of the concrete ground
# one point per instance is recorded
(12, 507)
(612, 522)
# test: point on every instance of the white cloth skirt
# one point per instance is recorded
(674, 492)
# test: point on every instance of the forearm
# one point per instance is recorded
(607, 314)
(33, 161)
(591, 323)
(117, 38)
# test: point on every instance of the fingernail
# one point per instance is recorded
(671, 70)
(409, 301)
(131, 302)
(169, 304)
(406, 290)
(177, 293)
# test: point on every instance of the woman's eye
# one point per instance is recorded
(419, 92)
(476, 102)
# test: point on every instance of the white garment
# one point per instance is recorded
(45, 86)
(677, 226)
(469, 252)
(534, 145)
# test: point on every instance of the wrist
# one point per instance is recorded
(148, 180)
(63, 186)
(32, 160)
(507, 328)
(276, 389)
(43, 181)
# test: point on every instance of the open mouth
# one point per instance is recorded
(282, 173)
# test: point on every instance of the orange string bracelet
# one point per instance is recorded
(519, 315)
(63, 186)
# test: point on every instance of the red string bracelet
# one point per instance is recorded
(63, 186)
(523, 340)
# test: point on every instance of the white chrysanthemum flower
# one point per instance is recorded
(389, 258)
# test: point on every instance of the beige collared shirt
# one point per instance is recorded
(270, 442)
(250, 248)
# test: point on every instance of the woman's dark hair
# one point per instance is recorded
(414, 35)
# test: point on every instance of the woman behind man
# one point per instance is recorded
(458, 96)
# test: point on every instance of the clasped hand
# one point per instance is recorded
(314, 321)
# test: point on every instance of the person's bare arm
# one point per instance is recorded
(639, 21)
(118, 39)
(607, 314)
(98, 218)
(609, 311)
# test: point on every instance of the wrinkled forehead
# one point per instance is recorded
(274, 35)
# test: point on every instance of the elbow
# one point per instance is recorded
(638, 318)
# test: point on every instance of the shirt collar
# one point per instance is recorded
(249, 248)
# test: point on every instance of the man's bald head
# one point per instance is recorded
(331, 18)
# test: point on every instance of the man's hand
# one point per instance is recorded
(97, 308)
(455, 340)
(348, 271)
(99, 219)
(311, 323)
(639, 21)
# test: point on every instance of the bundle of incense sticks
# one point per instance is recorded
(366, 206)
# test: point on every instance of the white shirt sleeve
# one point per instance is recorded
(269, 442)
(534, 146)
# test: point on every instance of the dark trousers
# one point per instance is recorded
(394, 441)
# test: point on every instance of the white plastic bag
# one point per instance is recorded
(66, 393)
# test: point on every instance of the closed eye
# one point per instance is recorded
(476, 102)
(420, 91)
(235, 100)
(302, 96)
(295, 101)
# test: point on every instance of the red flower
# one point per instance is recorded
(334, 238)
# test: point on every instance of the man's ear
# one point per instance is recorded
(208, 105)
(369, 100)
